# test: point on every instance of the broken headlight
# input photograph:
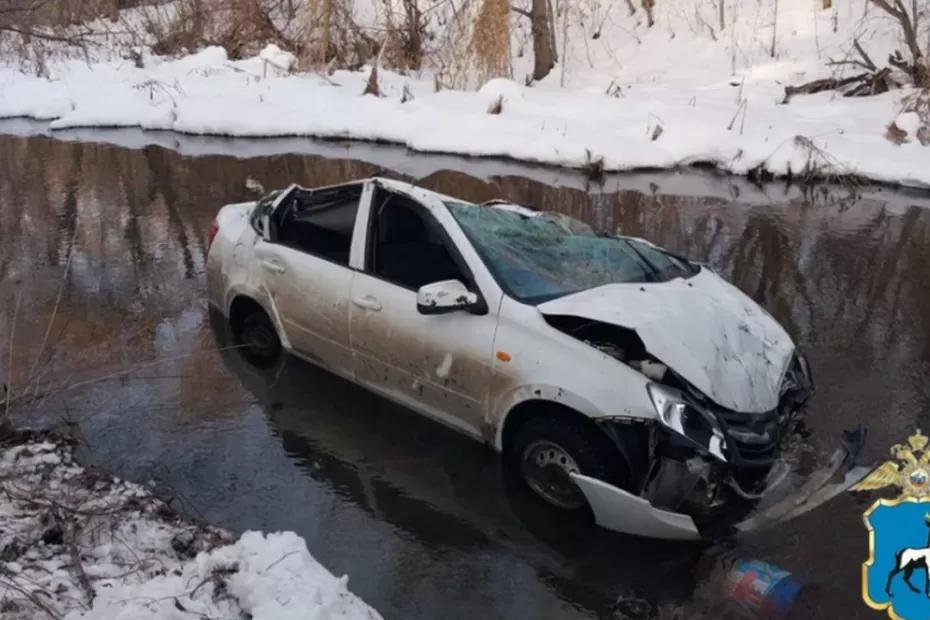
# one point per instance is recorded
(679, 415)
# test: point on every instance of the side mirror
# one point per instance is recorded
(445, 296)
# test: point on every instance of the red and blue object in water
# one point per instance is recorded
(765, 590)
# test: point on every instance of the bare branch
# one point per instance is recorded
(867, 62)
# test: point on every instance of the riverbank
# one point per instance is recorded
(740, 128)
(77, 542)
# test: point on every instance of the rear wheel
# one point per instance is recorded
(258, 338)
(547, 450)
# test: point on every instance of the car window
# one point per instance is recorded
(319, 222)
(405, 244)
(538, 256)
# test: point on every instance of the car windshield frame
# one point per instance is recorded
(264, 206)
(588, 249)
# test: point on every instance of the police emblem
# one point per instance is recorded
(896, 576)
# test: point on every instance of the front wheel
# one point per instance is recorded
(548, 450)
(258, 338)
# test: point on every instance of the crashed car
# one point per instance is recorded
(612, 374)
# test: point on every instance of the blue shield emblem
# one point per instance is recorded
(896, 577)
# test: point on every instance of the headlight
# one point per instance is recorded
(683, 418)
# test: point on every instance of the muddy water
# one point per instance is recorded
(101, 258)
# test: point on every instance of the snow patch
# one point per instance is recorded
(77, 543)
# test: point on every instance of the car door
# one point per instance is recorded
(438, 364)
(304, 265)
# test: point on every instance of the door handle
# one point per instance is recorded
(368, 303)
(273, 266)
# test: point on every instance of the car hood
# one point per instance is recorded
(703, 328)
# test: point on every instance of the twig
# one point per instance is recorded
(51, 320)
(31, 597)
(9, 370)
(51, 503)
(736, 114)
(867, 62)
(276, 562)
(76, 563)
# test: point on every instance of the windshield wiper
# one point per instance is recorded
(656, 273)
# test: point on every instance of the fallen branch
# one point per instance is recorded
(818, 86)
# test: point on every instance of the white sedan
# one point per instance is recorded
(613, 375)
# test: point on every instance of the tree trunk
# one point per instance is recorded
(544, 53)
(413, 45)
(648, 6)
(774, 30)
(113, 8)
(327, 31)
(723, 17)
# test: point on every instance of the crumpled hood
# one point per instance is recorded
(703, 328)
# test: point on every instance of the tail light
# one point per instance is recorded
(211, 235)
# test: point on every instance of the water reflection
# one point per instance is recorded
(419, 517)
(447, 492)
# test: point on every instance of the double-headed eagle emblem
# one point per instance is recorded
(908, 470)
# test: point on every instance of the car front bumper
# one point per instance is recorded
(621, 511)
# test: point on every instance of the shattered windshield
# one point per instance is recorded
(540, 256)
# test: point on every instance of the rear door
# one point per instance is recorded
(438, 364)
(304, 266)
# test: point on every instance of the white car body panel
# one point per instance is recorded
(618, 510)
(704, 328)
(423, 360)
(316, 331)
(548, 365)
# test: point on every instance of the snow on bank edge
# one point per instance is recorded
(71, 535)
(739, 129)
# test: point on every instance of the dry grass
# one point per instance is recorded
(327, 36)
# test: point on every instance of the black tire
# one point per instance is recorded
(535, 456)
(262, 344)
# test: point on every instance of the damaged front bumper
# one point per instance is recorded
(621, 511)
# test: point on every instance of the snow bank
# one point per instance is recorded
(679, 93)
(207, 94)
(78, 544)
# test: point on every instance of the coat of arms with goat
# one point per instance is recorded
(896, 576)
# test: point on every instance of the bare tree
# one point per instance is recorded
(774, 29)
(543, 31)
(917, 68)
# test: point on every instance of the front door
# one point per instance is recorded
(438, 364)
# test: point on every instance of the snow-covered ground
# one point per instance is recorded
(679, 93)
(76, 543)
